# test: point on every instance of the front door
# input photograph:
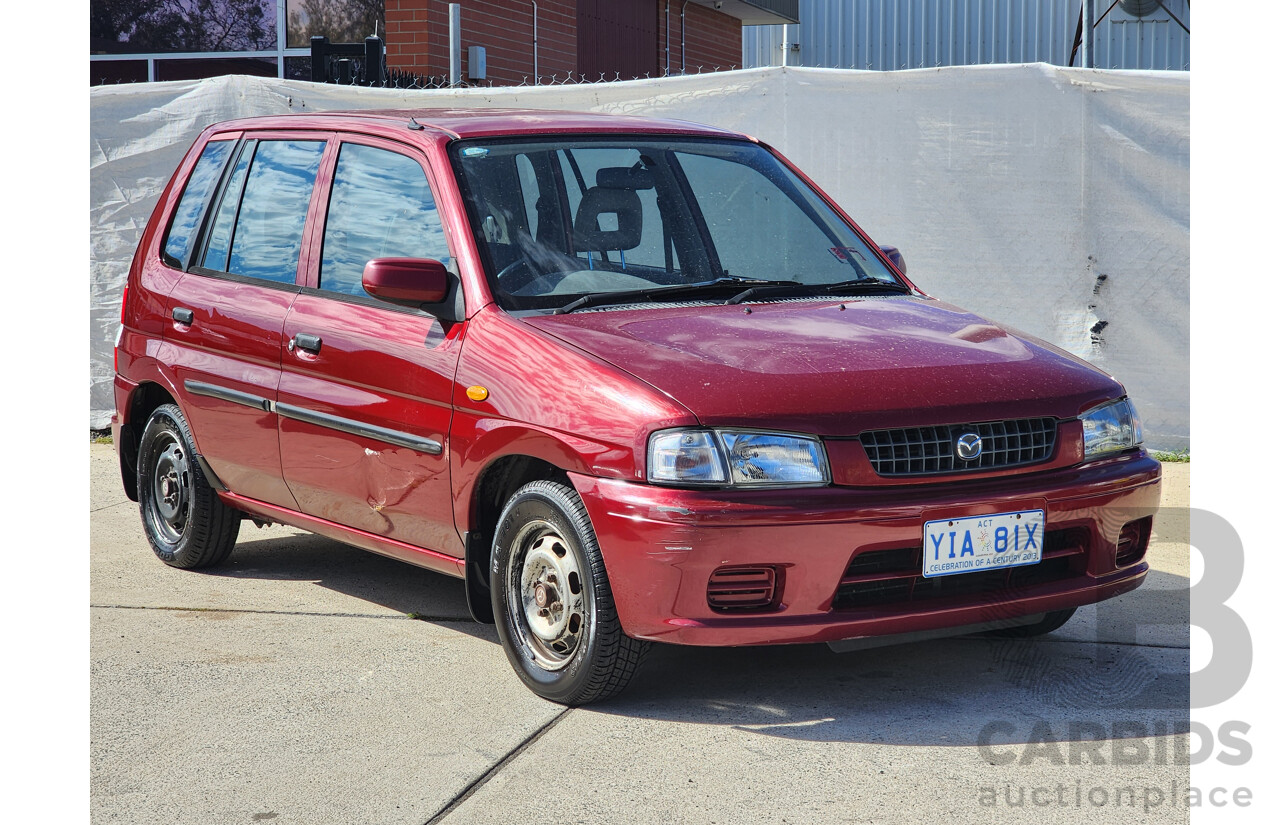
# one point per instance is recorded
(365, 395)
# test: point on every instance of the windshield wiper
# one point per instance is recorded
(863, 283)
(661, 292)
(754, 286)
(770, 287)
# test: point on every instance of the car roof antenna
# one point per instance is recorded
(415, 125)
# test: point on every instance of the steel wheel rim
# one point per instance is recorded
(170, 509)
(546, 595)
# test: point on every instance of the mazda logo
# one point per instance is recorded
(969, 446)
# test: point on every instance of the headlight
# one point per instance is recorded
(736, 457)
(1112, 427)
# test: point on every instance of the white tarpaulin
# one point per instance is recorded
(1054, 200)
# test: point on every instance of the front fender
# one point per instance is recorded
(477, 442)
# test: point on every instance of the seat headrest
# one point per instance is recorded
(624, 177)
(622, 222)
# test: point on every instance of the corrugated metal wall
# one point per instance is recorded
(914, 34)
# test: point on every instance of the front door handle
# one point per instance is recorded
(305, 341)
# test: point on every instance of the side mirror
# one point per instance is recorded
(892, 253)
(411, 281)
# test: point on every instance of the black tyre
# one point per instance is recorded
(551, 599)
(186, 523)
(1051, 622)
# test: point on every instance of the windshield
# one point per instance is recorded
(558, 219)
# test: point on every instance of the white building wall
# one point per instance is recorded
(916, 34)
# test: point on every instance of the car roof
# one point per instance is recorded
(477, 122)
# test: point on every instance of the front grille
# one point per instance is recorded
(922, 451)
(876, 578)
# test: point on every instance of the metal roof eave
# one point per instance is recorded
(757, 12)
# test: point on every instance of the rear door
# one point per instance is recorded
(365, 393)
(228, 309)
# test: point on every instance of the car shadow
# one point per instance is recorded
(1103, 676)
(940, 692)
(399, 587)
(959, 691)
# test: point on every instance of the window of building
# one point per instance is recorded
(161, 26)
(342, 21)
(152, 40)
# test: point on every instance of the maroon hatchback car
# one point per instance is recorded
(632, 380)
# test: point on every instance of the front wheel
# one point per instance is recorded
(186, 523)
(552, 602)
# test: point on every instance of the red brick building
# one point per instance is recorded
(590, 38)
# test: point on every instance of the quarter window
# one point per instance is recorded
(380, 207)
(224, 220)
(186, 218)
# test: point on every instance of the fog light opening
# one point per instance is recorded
(744, 588)
(1131, 547)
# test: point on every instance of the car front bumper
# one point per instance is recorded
(661, 546)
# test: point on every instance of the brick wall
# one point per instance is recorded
(418, 37)
(711, 38)
(617, 39)
(406, 36)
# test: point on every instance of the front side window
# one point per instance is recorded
(380, 207)
(562, 219)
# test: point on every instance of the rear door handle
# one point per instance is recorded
(183, 315)
(305, 341)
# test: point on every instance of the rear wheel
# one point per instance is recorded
(1051, 622)
(552, 602)
(186, 523)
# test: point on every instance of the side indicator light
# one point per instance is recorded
(477, 393)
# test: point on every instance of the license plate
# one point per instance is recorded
(968, 545)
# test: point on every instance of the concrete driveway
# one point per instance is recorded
(309, 682)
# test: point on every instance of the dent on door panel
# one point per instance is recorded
(364, 420)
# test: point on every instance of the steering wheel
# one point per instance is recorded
(508, 279)
(515, 265)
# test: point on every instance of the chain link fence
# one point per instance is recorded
(299, 68)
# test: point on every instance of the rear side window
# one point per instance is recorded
(200, 185)
(380, 207)
(257, 227)
(273, 210)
